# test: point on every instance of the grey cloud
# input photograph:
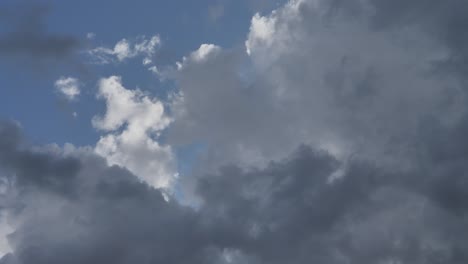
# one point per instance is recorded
(445, 21)
(35, 169)
(309, 207)
(291, 213)
(111, 217)
(374, 83)
(26, 34)
(323, 74)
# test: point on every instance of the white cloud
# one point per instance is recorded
(127, 49)
(134, 121)
(204, 52)
(201, 55)
(69, 87)
(148, 46)
(147, 61)
(261, 31)
(122, 50)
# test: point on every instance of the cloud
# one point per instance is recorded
(383, 106)
(133, 122)
(261, 30)
(204, 52)
(290, 212)
(125, 49)
(69, 87)
(66, 204)
(28, 36)
(319, 73)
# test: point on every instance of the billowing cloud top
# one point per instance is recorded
(335, 134)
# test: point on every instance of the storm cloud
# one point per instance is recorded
(74, 208)
(69, 206)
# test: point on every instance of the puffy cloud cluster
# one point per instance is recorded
(133, 122)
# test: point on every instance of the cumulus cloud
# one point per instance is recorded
(380, 98)
(320, 73)
(133, 122)
(126, 49)
(69, 87)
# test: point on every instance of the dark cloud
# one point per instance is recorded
(76, 209)
(445, 21)
(24, 33)
(35, 169)
(292, 213)
(310, 207)
(375, 80)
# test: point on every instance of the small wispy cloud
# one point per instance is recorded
(68, 87)
(126, 49)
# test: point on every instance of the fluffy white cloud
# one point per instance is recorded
(69, 87)
(261, 31)
(204, 52)
(126, 49)
(134, 121)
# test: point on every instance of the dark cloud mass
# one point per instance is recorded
(382, 79)
(72, 208)
(75, 209)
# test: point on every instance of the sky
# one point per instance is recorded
(234, 131)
